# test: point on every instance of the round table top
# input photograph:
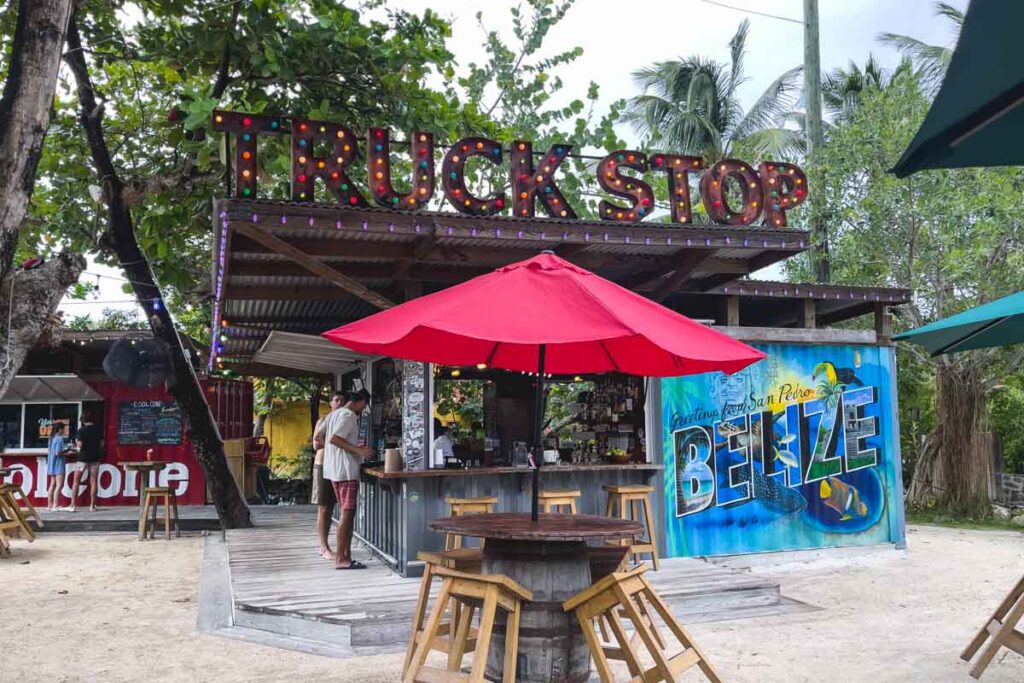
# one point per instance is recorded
(144, 464)
(548, 527)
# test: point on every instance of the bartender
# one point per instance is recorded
(442, 443)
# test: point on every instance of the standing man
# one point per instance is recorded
(323, 489)
(342, 457)
(90, 452)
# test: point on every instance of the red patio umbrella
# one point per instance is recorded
(546, 315)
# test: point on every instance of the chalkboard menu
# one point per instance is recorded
(149, 422)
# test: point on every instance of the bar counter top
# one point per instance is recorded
(379, 472)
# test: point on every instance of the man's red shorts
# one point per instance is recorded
(346, 492)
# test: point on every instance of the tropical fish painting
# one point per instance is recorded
(842, 498)
(773, 495)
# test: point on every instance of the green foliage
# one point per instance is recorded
(271, 394)
(159, 75)
(1007, 406)
(930, 61)
(559, 408)
(955, 238)
(111, 319)
(692, 106)
(956, 520)
(459, 401)
(296, 466)
(156, 78)
(514, 96)
(842, 88)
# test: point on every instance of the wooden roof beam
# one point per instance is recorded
(315, 266)
(423, 246)
(290, 293)
(685, 268)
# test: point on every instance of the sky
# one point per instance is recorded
(620, 37)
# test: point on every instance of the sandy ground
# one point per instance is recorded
(96, 607)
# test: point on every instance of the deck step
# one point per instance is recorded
(280, 586)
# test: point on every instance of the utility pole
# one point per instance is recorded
(815, 139)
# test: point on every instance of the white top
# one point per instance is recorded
(339, 464)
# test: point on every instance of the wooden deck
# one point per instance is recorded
(124, 518)
(280, 584)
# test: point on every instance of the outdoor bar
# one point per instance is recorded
(276, 297)
(803, 445)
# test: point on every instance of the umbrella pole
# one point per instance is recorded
(538, 422)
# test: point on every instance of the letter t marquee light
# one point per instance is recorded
(246, 127)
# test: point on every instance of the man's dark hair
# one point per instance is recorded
(339, 394)
(356, 396)
(439, 428)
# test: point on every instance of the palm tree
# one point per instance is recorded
(691, 105)
(842, 89)
(930, 61)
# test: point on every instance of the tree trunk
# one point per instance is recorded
(259, 425)
(954, 470)
(265, 408)
(119, 238)
(28, 298)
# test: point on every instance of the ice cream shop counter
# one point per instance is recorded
(396, 507)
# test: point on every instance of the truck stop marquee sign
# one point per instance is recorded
(767, 192)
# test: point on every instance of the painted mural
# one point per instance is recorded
(797, 451)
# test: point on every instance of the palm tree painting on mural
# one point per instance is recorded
(691, 105)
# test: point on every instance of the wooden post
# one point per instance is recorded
(883, 323)
(732, 311)
(815, 137)
(810, 314)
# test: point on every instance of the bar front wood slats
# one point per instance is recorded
(379, 472)
(548, 527)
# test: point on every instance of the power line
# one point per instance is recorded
(751, 11)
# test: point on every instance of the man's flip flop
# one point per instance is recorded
(356, 564)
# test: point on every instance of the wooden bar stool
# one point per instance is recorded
(550, 501)
(482, 505)
(630, 500)
(155, 497)
(24, 503)
(605, 560)
(10, 509)
(630, 594)
(465, 560)
(1001, 627)
(485, 593)
(10, 520)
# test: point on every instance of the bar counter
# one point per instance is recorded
(379, 472)
(396, 508)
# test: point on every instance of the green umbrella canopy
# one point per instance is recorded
(977, 117)
(997, 323)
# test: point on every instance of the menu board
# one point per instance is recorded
(149, 422)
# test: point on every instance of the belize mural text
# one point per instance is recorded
(797, 451)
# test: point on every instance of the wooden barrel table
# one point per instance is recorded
(549, 558)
